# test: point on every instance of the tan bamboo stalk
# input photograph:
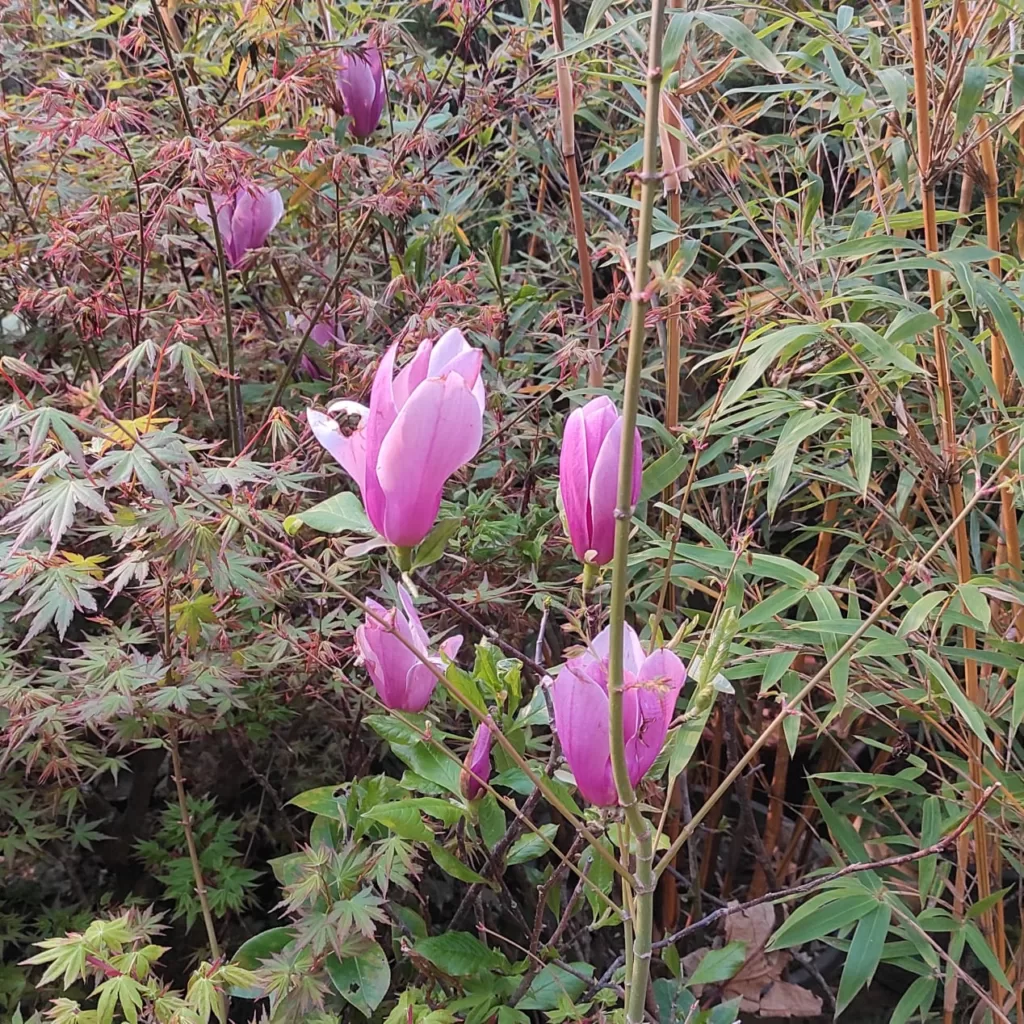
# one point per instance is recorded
(542, 191)
(948, 441)
(1008, 512)
(567, 111)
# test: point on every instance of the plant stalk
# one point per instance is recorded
(567, 109)
(236, 431)
(948, 438)
(645, 881)
(190, 842)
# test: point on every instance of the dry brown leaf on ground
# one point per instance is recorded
(759, 981)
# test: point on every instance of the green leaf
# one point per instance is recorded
(406, 822)
(919, 612)
(675, 36)
(361, 980)
(864, 953)
(976, 603)
(662, 473)
(719, 964)
(322, 800)
(736, 34)
(435, 542)
(895, 84)
(492, 820)
(688, 735)
(973, 88)
(771, 345)
(855, 247)
(822, 915)
(991, 296)
(609, 32)
(815, 190)
(341, 513)
(983, 951)
(917, 999)
(262, 946)
(1017, 709)
(553, 984)
(459, 954)
(964, 707)
(798, 428)
(531, 846)
(860, 446)
(451, 865)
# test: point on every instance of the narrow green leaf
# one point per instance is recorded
(736, 34)
(919, 612)
(821, 915)
(435, 542)
(860, 446)
(863, 956)
(719, 964)
(675, 36)
(895, 84)
(812, 199)
(917, 999)
(799, 427)
(974, 81)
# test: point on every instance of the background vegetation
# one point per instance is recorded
(829, 402)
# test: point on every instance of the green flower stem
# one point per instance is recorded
(644, 880)
(403, 559)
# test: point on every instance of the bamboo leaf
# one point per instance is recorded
(736, 34)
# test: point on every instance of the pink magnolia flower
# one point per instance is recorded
(588, 473)
(361, 89)
(245, 218)
(476, 769)
(401, 680)
(423, 424)
(580, 696)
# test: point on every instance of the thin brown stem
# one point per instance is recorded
(190, 842)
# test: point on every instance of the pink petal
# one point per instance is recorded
(388, 662)
(599, 416)
(349, 451)
(450, 647)
(452, 352)
(268, 209)
(416, 630)
(581, 721)
(437, 431)
(648, 708)
(573, 482)
(419, 686)
(632, 650)
(412, 374)
(602, 493)
(381, 415)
